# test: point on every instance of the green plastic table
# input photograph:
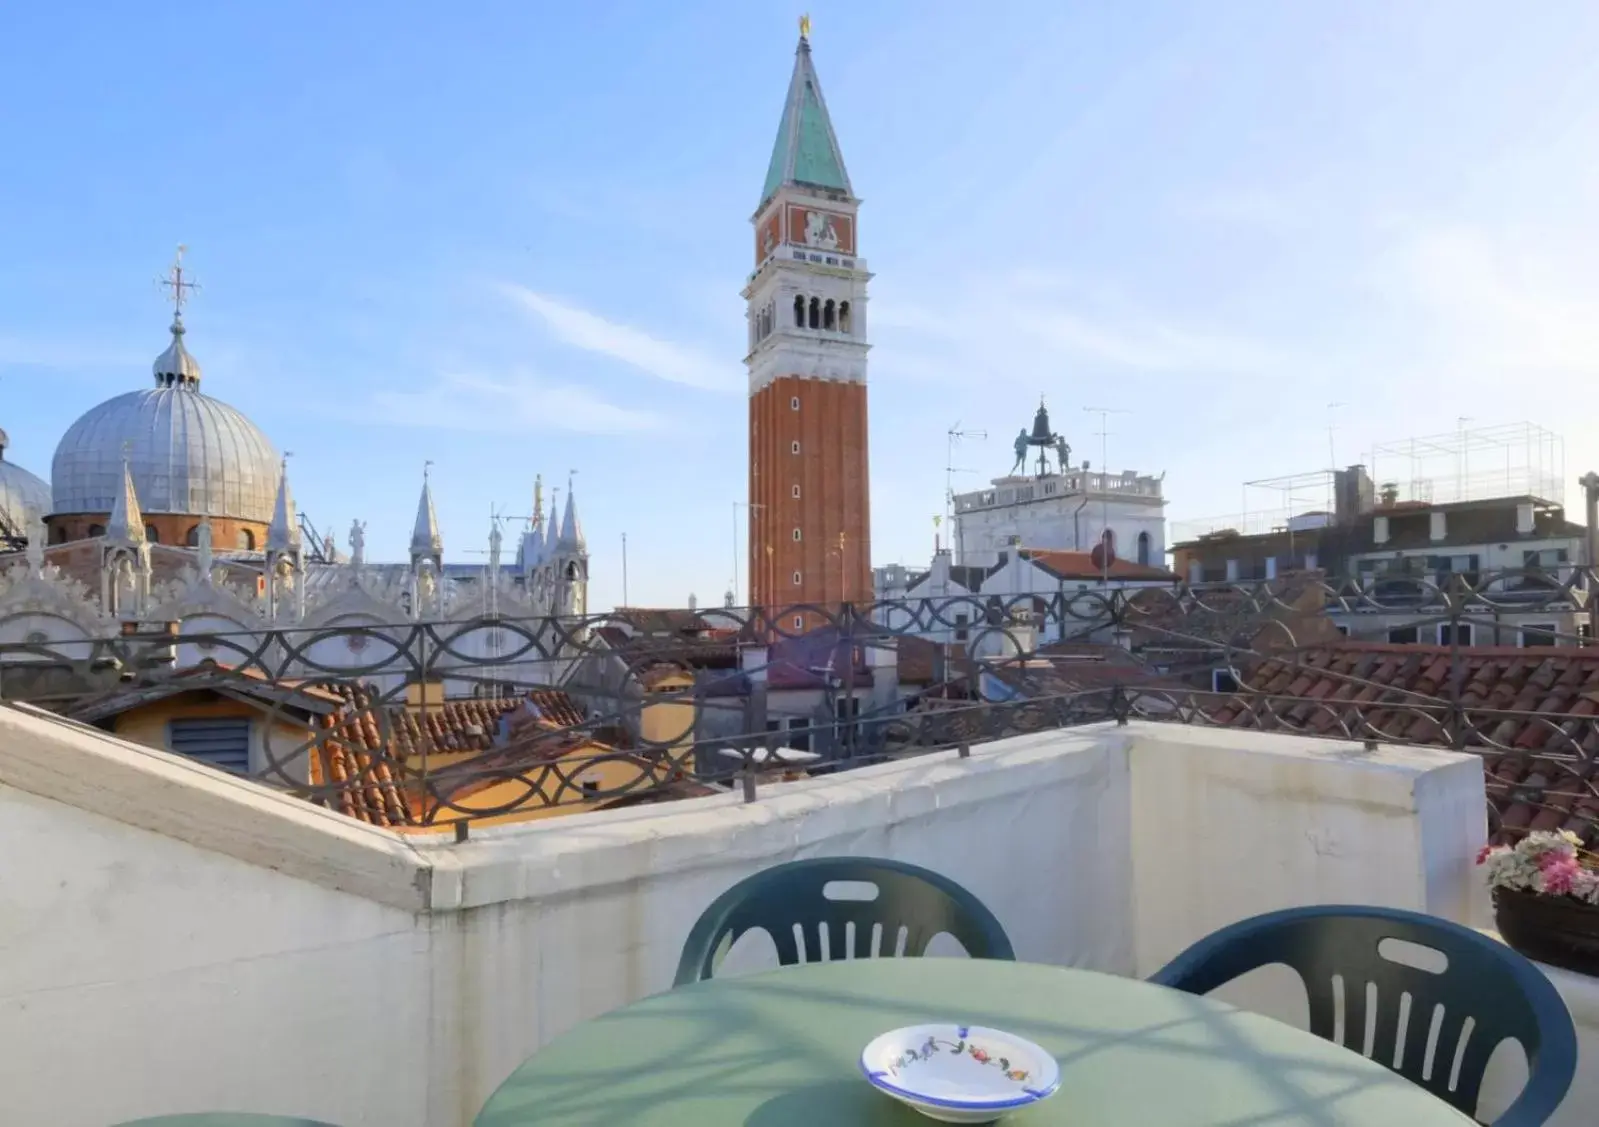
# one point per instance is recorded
(780, 1049)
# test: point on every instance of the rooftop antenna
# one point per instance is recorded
(953, 437)
(1104, 432)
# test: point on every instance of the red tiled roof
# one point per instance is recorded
(367, 754)
(1529, 712)
(1081, 565)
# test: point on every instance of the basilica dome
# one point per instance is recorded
(187, 453)
(22, 496)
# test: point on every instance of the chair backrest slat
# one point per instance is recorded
(1486, 993)
(908, 900)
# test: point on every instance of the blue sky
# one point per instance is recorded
(509, 238)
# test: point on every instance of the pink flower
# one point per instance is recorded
(1560, 872)
(1482, 854)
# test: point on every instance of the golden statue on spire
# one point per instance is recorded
(805, 26)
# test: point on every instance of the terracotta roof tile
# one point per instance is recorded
(1530, 713)
(369, 748)
(1081, 565)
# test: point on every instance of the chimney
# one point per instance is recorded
(1440, 525)
(1390, 494)
(1524, 518)
(1590, 489)
(1379, 530)
(1023, 640)
(752, 661)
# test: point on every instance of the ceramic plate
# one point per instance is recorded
(960, 1073)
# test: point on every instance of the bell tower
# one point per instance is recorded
(810, 524)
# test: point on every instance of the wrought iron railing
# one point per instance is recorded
(431, 725)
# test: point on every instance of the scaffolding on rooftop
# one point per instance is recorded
(1508, 460)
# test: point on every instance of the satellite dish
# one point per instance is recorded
(1103, 555)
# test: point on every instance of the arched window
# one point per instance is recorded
(571, 573)
(96, 530)
(58, 535)
(816, 312)
(796, 492)
(799, 311)
(152, 534)
(1108, 539)
(192, 537)
(827, 315)
(245, 540)
(1143, 548)
(796, 534)
(843, 317)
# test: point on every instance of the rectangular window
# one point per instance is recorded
(796, 579)
(223, 743)
(1344, 630)
(962, 627)
(1402, 635)
(793, 404)
(1223, 681)
(799, 734)
(1539, 634)
(799, 622)
(1450, 633)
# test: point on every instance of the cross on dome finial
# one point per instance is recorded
(805, 26)
(175, 282)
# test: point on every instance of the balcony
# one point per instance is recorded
(190, 939)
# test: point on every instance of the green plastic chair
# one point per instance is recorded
(791, 898)
(223, 1119)
(1504, 995)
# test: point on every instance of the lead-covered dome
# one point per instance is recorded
(22, 495)
(188, 453)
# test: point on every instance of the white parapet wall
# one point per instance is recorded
(193, 941)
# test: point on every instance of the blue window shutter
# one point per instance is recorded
(223, 743)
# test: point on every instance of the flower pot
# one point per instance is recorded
(1557, 930)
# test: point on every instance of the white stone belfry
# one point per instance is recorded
(427, 556)
(570, 561)
(125, 557)
(285, 559)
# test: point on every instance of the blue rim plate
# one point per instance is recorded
(960, 1068)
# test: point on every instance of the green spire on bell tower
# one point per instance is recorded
(806, 152)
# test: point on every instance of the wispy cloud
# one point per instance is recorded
(1492, 302)
(517, 403)
(591, 332)
(1257, 208)
(1025, 322)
